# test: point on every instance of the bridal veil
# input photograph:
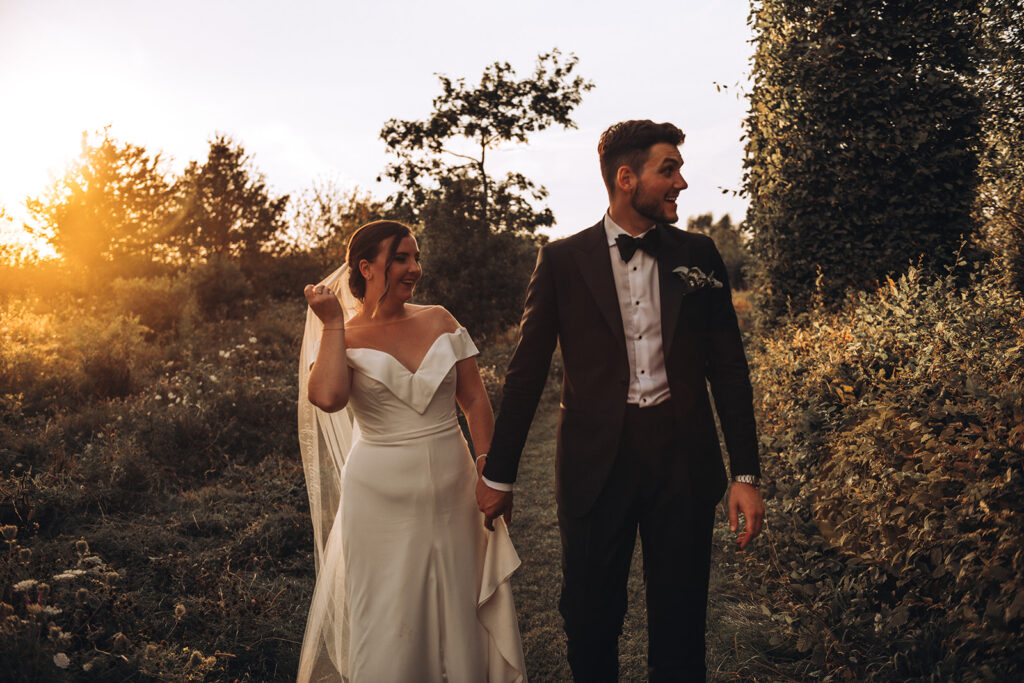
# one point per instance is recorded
(324, 441)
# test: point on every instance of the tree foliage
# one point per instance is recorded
(227, 210)
(113, 204)
(479, 231)
(468, 121)
(730, 240)
(861, 142)
(321, 220)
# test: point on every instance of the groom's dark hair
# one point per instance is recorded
(628, 144)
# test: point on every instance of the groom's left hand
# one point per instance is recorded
(745, 499)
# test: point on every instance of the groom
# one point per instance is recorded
(644, 317)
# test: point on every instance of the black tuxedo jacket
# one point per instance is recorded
(572, 301)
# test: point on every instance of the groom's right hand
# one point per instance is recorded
(493, 503)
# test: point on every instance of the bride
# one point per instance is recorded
(410, 585)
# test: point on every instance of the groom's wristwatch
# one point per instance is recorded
(751, 479)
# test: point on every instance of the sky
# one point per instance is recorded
(306, 86)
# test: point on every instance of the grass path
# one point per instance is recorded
(739, 631)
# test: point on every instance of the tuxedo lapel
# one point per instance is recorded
(592, 257)
(673, 252)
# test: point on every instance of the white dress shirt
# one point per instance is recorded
(637, 285)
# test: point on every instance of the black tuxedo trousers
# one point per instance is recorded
(597, 551)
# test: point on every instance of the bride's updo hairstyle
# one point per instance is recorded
(365, 244)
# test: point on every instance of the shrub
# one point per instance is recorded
(220, 288)
(285, 276)
(895, 425)
(161, 304)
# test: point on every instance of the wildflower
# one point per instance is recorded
(44, 591)
(82, 595)
(54, 631)
(111, 578)
(26, 585)
(92, 561)
(179, 611)
(213, 378)
(159, 397)
(61, 660)
(196, 658)
(9, 532)
(82, 546)
(24, 554)
(253, 340)
(52, 611)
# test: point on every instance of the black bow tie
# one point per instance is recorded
(628, 245)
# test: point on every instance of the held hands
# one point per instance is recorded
(325, 305)
(745, 499)
(492, 503)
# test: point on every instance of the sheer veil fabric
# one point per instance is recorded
(325, 442)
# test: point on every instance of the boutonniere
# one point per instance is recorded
(695, 279)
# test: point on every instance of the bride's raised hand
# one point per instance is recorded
(325, 305)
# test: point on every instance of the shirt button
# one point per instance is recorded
(640, 337)
(643, 400)
(642, 372)
(637, 303)
(634, 267)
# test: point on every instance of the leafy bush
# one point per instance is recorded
(161, 304)
(896, 426)
(221, 289)
(284, 276)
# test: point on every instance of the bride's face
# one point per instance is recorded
(403, 274)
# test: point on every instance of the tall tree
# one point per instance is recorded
(113, 204)
(226, 209)
(468, 121)
(445, 187)
(862, 142)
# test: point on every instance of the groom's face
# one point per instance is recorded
(659, 184)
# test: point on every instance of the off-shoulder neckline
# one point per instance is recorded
(423, 360)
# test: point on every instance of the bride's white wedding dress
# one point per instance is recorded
(410, 586)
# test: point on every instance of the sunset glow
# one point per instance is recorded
(296, 87)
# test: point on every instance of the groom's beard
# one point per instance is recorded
(650, 207)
